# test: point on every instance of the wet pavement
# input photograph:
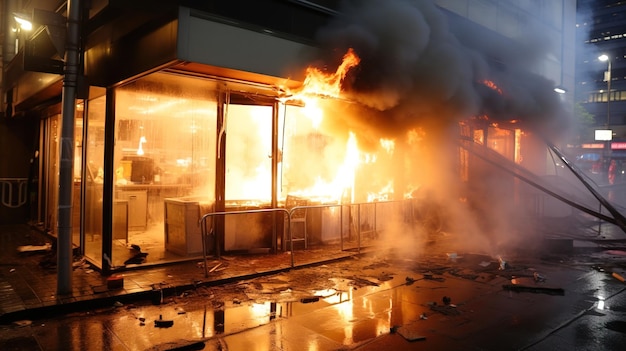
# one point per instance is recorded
(435, 300)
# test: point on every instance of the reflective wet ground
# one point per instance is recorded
(376, 302)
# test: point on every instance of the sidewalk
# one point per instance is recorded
(27, 288)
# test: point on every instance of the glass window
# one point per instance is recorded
(165, 132)
(94, 178)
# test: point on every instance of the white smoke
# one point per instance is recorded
(420, 70)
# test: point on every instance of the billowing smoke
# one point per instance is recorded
(414, 58)
(422, 70)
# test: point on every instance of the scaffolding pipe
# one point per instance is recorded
(546, 190)
(620, 220)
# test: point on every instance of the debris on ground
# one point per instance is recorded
(503, 264)
(215, 267)
(34, 248)
(411, 332)
(449, 310)
(163, 323)
(409, 280)
(138, 257)
(453, 256)
(538, 277)
(309, 299)
(533, 289)
(23, 323)
(376, 265)
(179, 345)
(431, 276)
(360, 282)
(618, 277)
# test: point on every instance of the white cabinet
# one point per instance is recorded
(137, 208)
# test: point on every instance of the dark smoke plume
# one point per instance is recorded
(418, 65)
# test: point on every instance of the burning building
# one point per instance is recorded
(211, 111)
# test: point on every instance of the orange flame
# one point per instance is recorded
(491, 85)
(320, 83)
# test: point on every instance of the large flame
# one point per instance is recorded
(320, 83)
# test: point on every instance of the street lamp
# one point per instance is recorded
(605, 57)
(607, 147)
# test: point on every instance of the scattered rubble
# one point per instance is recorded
(163, 323)
(34, 248)
(533, 289)
(449, 310)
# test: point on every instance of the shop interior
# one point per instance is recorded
(165, 164)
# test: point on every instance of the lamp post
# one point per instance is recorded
(605, 57)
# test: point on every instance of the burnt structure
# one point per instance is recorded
(188, 107)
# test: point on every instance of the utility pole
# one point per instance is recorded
(66, 168)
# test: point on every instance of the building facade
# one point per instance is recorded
(600, 87)
(187, 107)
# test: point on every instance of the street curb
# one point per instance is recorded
(148, 295)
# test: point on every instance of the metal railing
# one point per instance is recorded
(14, 192)
(354, 223)
(205, 230)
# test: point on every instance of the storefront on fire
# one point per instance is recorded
(199, 124)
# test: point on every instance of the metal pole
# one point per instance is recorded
(66, 168)
(608, 100)
(608, 119)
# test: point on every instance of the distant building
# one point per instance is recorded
(601, 30)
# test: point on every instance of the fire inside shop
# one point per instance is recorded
(398, 131)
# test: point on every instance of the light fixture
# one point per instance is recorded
(559, 89)
(603, 57)
(23, 21)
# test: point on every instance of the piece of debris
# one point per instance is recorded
(446, 300)
(409, 280)
(11, 270)
(309, 299)
(180, 310)
(411, 332)
(179, 345)
(423, 316)
(538, 277)
(449, 310)
(360, 282)
(163, 323)
(484, 264)
(118, 304)
(215, 267)
(34, 248)
(23, 323)
(431, 276)
(533, 289)
(115, 282)
(137, 257)
(384, 277)
(453, 256)
(618, 277)
(503, 264)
